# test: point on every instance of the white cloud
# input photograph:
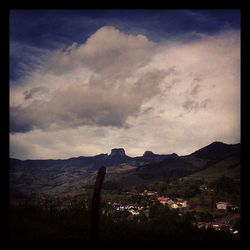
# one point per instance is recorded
(108, 51)
(173, 96)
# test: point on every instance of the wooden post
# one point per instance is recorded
(96, 199)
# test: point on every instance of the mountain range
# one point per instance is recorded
(69, 177)
(116, 157)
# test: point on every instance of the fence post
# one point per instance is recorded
(95, 206)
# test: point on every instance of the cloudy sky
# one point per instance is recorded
(85, 81)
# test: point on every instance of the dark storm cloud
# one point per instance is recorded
(17, 124)
(75, 106)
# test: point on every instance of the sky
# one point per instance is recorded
(85, 81)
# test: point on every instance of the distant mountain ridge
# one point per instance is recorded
(189, 164)
(71, 176)
(216, 150)
(117, 156)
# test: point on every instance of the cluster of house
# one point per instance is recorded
(165, 200)
(216, 226)
(224, 205)
(223, 224)
(153, 196)
(134, 210)
(172, 203)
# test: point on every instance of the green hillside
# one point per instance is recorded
(229, 167)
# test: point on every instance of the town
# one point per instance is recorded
(159, 211)
(228, 211)
(205, 205)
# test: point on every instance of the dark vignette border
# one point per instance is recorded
(6, 7)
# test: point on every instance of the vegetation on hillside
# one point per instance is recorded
(33, 222)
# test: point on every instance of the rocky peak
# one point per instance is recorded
(148, 154)
(117, 152)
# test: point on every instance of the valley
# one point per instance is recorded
(135, 187)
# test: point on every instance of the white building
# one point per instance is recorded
(134, 212)
(174, 205)
(222, 205)
(181, 203)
